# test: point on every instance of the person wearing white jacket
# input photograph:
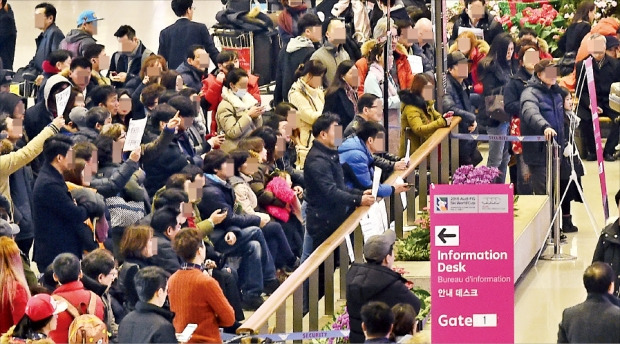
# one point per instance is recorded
(308, 97)
(238, 113)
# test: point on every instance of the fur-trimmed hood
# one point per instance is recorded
(482, 46)
(408, 98)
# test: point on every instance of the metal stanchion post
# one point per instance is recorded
(556, 196)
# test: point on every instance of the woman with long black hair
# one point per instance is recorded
(578, 29)
(495, 71)
(341, 95)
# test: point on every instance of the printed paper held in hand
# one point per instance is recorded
(62, 98)
(403, 195)
(185, 336)
(376, 181)
(134, 134)
(416, 64)
(479, 33)
(375, 222)
(408, 152)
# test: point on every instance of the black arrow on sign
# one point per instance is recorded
(442, 235)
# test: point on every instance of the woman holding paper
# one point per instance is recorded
(419, 119)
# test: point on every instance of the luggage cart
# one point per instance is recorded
(240, 41)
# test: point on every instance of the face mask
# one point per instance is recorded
(241, 92)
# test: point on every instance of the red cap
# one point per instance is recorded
(43, 306)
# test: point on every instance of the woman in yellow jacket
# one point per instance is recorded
(13, 161)
(419, 119)
(308, 97)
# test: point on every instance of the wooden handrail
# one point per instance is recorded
(323, 252)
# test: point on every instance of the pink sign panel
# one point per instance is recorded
(472, 263)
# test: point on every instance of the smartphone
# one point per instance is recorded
(113, 73)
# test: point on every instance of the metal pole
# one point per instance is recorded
(557, 211)
(387, 50)
(438, 8)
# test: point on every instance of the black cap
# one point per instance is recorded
(455, 57)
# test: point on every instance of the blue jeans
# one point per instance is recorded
(307, 246)
(498, 151)
(257, 264)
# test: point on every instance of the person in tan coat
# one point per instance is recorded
(238, 113)
(308, 97)
(419, 119)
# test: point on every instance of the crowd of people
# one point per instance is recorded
(228, 194)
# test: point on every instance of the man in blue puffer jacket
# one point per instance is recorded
(356, 158)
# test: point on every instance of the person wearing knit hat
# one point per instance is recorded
(39, 319)
(611, 46)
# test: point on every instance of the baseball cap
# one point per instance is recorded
(6, 76)
(8, 229)
(540, 66)
(455, 57)
(43, 306)
(87, 16)
(612, 42)
(78, 116)
(377, 247)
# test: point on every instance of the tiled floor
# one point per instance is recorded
(543, 293)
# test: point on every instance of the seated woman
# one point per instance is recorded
(419, 119)
(306, 94)
(136, 249)
(238, 114)
(341, 95)
(195, 297)
(244, 168)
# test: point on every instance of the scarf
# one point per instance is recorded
(285, 19)
(352, 95)
(49, 68)
(377, 71)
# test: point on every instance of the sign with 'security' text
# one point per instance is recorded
(472, 263)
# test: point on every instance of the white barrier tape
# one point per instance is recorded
(480, 137)
(281, 337)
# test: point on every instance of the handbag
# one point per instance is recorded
(494, 105)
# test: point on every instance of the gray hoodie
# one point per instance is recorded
(76, 41)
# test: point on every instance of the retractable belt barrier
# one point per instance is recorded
(281, 337)
(480, 137)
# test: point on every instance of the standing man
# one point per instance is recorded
(596, 319)
(78, 39)
(323, 176)
(332, 53)
(178, 37)
(8, 35)
(50, 37)
(125, 64)
(423, 46)
(58, 224)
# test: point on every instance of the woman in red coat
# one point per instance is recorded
(475, 50)
(212, 85)
(14, 293)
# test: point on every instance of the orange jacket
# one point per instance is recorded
(403, 68)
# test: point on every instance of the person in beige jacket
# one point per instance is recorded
(13, 161)
(238, 113)
(308, 97)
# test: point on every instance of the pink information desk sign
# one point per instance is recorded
(472, 263)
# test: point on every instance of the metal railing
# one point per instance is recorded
(427, 161)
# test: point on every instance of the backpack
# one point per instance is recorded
(74, 47)
(85, 328)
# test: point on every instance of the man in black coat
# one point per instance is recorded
(476, 15)
(8, 35)
(238, 235)
(298, 50)
(194, 67)
(149, 322)
(323, 176)
(49, 39)
(596, 319)
(606, 71)
(375, 281)
(126, 64)
(58, 220)
(176, 38)
(166, 223)
(457, 100)
(608, 247)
